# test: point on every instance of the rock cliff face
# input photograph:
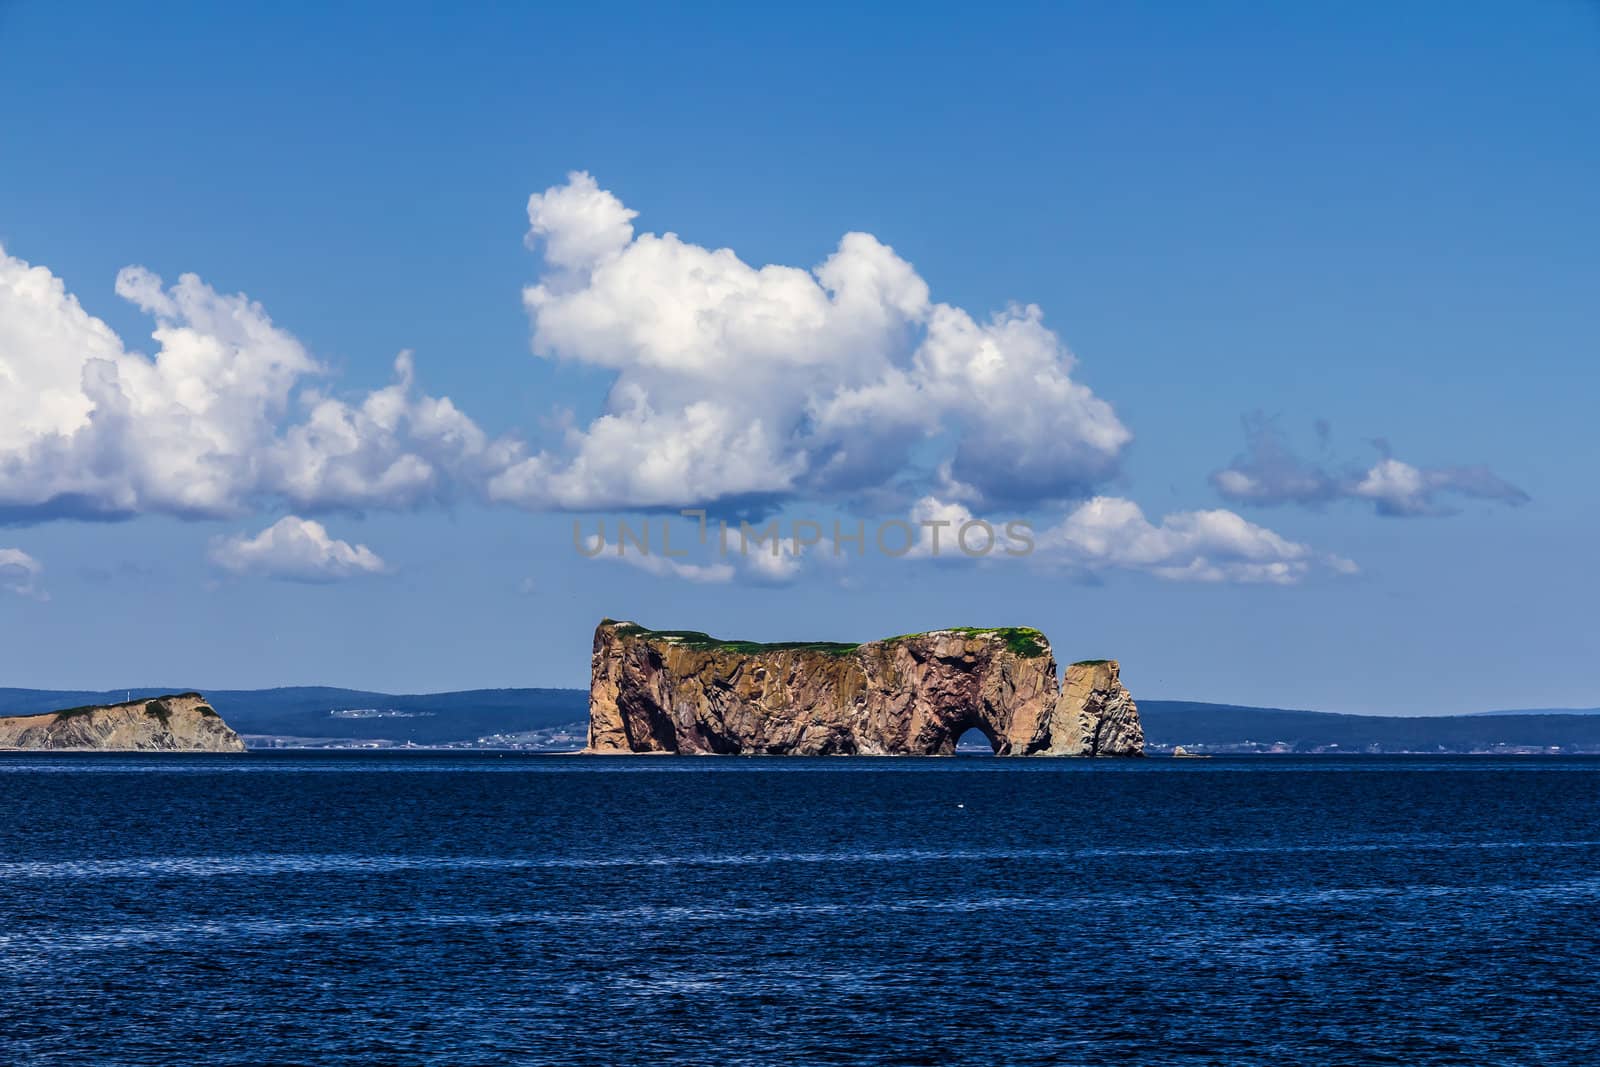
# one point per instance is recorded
(1096, 713)
(179, 723)
(685, 692)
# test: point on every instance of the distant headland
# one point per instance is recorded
(179, 722)
(680, 691)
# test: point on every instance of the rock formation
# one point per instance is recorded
(684, 692)
(180, 723)
(1104, 720)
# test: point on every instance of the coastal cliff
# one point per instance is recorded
(182, 722)
(684, 692)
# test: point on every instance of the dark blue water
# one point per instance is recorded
(398, 909)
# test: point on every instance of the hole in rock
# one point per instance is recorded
(974, 743)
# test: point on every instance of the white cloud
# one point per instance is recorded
(19, 573)
(1099, 535)
(1109, 533)
(1203, 546)
(1269, 473)
(578, 223)
(204, 428)
(766, 567)
(760, 560)
(656, 563)
(937, 525)
(735, 385)
(295, 549)
(1400, 490)
(395, 449)
(740, 384)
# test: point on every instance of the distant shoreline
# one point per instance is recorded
(556, 720)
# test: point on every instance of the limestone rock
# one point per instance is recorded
(684, 692)
(179, 723)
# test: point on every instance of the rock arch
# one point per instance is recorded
(688, 693)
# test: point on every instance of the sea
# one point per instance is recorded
(484, 908)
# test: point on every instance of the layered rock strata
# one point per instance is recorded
(684, 692)
(183, 722)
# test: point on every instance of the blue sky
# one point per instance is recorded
(1339, 225)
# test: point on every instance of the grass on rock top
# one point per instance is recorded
(73, 713)
(156, 708)
(1021, 640)
(702, 642)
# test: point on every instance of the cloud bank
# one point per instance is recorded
(738, 388)
(222, 419)
(1270, 474)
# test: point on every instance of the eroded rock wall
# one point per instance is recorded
(666, 691)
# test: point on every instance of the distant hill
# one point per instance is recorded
(314, 712)
(1543, 711)
(322, 712)
(1229, 727)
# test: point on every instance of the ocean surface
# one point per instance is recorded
(342, 908)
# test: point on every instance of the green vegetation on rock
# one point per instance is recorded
(1020, 640)
(156, 708)
(72, 713)
(702, 642)
(1025, 641)
(1091, 663)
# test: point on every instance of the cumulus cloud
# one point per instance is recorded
(1269, 473)
(19, 573)
(297, 550)
(737, 387)
(738, 384)
(397, 448)
(1109, 533)
(219, 420)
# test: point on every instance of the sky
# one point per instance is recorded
(335, 344)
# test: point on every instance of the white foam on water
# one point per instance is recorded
(24, 950)
(349, 863)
